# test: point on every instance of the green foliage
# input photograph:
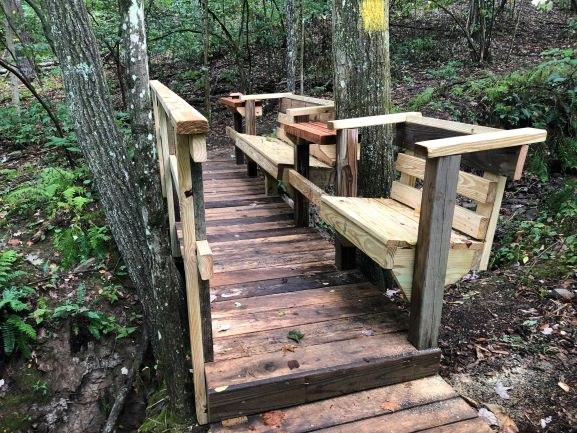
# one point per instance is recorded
(78, 242)
(16, 334)
(550, 240)
(422, 99)
(82, 317)
(40, 387)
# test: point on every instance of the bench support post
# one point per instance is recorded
(239, 155)
(301, 159)
(250, 119)
(270, 185)
(432, 250)
(346, 186)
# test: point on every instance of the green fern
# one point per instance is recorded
(15, 332)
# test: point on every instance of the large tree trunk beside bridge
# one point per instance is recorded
(129, 190)
(362, 87)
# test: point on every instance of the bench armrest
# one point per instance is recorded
(361, 122)
(258, 97)
(482, 142)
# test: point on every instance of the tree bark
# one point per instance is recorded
(15, 21)
(14, 81)
(291, 18)
(362, 84)
(129, 190)
(362, 87)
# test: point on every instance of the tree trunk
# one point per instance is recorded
(129, 190)
(291, 44)
(362, 82)
(15, 20)
(14, 81)
(206, 61)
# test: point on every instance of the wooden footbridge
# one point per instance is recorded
(286, 335)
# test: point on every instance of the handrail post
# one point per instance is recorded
(346, 186)
(238, 154)
(432, 250)
(301, 161)
(250, 119)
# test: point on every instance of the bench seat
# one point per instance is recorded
(387, 231)
(272, 154)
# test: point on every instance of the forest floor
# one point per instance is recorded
(509, 335)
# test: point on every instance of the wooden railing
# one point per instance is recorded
(181, 146)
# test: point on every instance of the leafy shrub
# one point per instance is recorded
(16, 334)
(552, 236)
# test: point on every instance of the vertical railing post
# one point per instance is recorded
(194, 286)
(250, 119)
(301, 203)
(346, 186)
(432, 250)
(239, 155)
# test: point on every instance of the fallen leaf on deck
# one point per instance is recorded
(390, 406)
(234, 421)
(288, 348)
(502, 390)
(292, 364)
(506, 424)
(274, 418)
(237, 305)
(295, 335)
(367, 332)
(221, 388)
(280, 313)
(564, 386)
(223, 327)
(14, 242)
(213, 298)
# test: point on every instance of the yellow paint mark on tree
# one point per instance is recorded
(373, 13)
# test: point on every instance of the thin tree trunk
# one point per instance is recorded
(302, 45)
(14, 81)
(206, 49)
(291, 45)
(362, 87)
(15, 20)
(129, 190)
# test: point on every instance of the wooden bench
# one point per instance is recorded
(423, 235)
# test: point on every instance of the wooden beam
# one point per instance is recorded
(262, 96)
(185, 118)
(432, 250)
(312, 192)
(307, 111)
(156, 110)
(238, 155)
(482, 142)
(449, 125)
(168, 137)
(310, 100)
(198, 150)
(361, 122)
(492, 212)
(205, 260)
(301, 161)
(250, 120)
(346, 186)
(187, 213)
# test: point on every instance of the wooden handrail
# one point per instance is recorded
(449, 125)
(482, 142)
(258, 97)
(361, 122)
(185, 119)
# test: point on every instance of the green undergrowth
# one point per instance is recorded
(542, 97)
(547, 246)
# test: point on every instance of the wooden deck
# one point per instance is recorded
(353, 370)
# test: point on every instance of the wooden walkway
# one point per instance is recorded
(353, 370)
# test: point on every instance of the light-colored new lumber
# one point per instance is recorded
(261, 96)
(307, 111)
(312, 192)
(156, 110)
(482, 142)
(192, 276)
(464, 220)
(493, 213)
(205, 260)
(310, 100)
(361, 122)
(184, 118)
(449, 125)
(257, 111)
(471, 186)
(198, 150)
(168, 137)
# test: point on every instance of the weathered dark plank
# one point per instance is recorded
(432, 251)
(250, 128)
(324, 371)
(238, 154)
(301, 203)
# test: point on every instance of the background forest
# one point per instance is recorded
(70, 320)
